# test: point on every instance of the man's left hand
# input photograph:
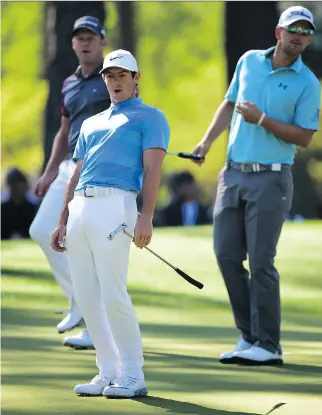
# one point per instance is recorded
(249, 112)
(143, 231)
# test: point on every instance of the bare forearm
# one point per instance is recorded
(69, 195)
(220, 122)
(58, 153)
(150, 190)
(289, 133)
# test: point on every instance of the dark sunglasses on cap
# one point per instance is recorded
(300, 31)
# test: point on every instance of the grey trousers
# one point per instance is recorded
(249, 214)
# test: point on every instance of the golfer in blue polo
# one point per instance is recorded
(272, 105)
(119, 152)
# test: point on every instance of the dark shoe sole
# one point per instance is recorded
(87, 395)
(229, 361)
(248, 362)
(79, 347)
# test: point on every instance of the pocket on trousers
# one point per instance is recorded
(284, 182)
(108, 214)
(131, 211)
(227, 195)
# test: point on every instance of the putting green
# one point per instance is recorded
(184, 330)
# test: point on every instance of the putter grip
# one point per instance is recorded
(190, 156)
(189, 279)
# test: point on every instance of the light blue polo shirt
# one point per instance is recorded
(290, 95)
(111, 144)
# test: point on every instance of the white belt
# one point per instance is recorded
(97, 191)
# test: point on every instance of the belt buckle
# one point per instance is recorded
(89, 187)
(276, 167)
(244, 168)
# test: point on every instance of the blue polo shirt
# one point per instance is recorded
(111, 144)
(82, 97)
(290, 95)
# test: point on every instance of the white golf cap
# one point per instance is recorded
(294, 14)
(120, 59)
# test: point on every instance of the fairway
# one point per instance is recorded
(184, 331)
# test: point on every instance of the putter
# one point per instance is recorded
(122, 228)
(183, 155)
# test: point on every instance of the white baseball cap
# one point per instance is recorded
(120, 59)
(294, 14)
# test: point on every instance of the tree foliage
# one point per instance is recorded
(181, 54)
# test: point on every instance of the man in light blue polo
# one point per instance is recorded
(119, 153)
(272, 106)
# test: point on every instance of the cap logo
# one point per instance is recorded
(116, 57)
(300, 13)
(91, 23)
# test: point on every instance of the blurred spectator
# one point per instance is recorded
(185, 207)
(18, 208)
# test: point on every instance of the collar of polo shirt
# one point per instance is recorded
(79, 74)
(127, 103)
(296, 66)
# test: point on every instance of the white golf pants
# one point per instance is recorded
(99, 270)
(45, 222)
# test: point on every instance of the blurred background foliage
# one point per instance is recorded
(181, 57)
(181, 52)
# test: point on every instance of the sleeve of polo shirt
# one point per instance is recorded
(308, 107)
(156, 131)
(231, 94)
(64, 111)
(80, 149)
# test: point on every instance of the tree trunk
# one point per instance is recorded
(249, 25)
(59, 59)
(126, 13)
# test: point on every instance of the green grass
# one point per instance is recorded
(184, 330)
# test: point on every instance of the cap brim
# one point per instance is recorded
(297, 19)
(118, 66)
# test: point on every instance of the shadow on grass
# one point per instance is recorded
(177, 373)
(178, 407)
(197, 362)
(219, 334)
(163, 299)
(34, 274)
(172, 407)
(172, 373)
(30, 318)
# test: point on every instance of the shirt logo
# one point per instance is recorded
(316, 116)
(282, 86)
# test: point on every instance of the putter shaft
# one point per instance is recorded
(150, 250)
(177, 270)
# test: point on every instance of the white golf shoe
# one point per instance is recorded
(81, 341)
(126, 387)
(258, 356)
(230, 357)
(72, 319)
(94, 388)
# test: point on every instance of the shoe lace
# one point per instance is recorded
(100, 380)
(64, 311)
(67, 310)
(125, 381)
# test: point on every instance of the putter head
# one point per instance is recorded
(116, 231)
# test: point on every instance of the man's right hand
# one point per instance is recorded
(57, 238)
(201, 149)
(43, 183)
